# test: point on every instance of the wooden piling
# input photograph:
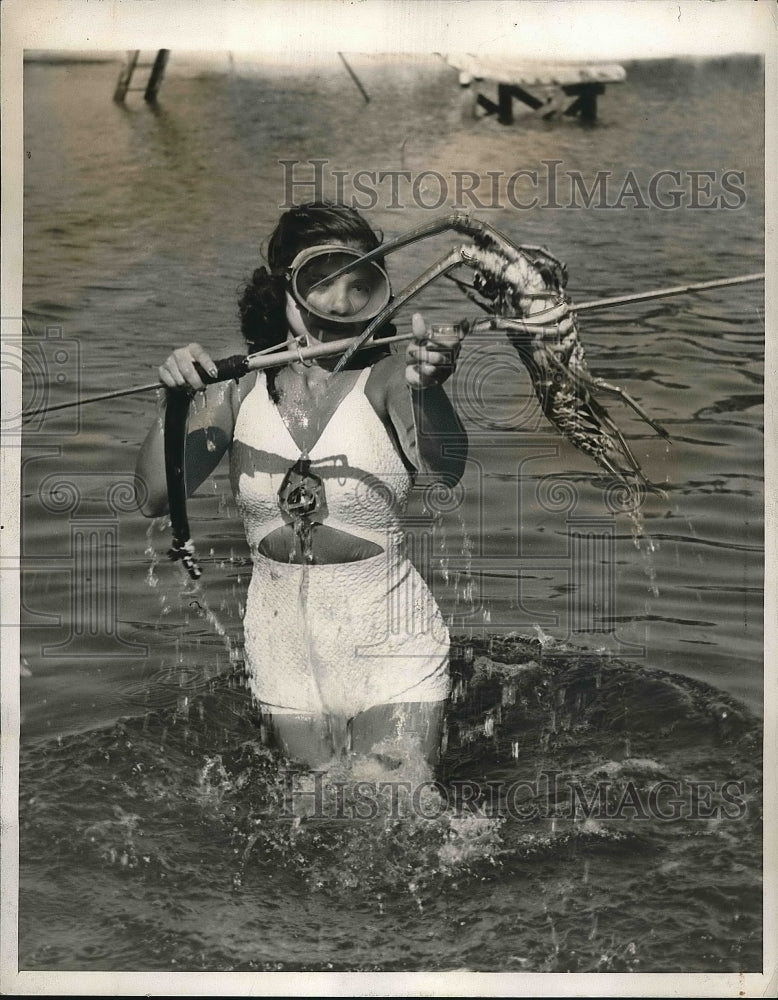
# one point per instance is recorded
(588, 99)
(125, 75)
(157, 73)
(504, 104)
(585, 104)
(355, 78)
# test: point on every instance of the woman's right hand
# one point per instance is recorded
(179, 372)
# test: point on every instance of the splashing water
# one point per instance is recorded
(181, 675)
(151, 554)
(646, 546)
(142, 831)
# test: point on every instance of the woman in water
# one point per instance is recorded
(346, 650)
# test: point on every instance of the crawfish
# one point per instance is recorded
(523, 287)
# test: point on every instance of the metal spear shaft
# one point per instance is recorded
(263, 359)
(663, 293)
(255, 362)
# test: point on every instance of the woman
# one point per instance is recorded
(345, 647)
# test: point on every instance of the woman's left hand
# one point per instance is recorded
(431, 356)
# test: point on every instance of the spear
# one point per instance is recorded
(236, 366)
(273, 357)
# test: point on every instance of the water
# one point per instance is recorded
(154, 834)
(172, 841)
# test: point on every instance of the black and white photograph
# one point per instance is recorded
(384, 545)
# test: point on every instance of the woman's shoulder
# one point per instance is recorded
(386, 376)
(388, 368)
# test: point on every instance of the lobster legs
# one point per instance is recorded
(522, 288)
(591, 382)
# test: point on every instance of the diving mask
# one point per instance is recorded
(354, 297)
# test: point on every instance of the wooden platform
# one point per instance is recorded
(547, 88)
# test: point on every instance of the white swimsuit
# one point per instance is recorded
(334, 638)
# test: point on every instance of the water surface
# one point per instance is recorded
(147, 839)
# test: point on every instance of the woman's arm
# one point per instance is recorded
(426, 423)
(211, 426)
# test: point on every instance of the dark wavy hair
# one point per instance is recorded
(262, 305)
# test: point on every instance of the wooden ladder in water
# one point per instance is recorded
(152, 84)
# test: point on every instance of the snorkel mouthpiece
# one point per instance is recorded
(367, 286)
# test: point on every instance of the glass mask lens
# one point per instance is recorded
(354, 297)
